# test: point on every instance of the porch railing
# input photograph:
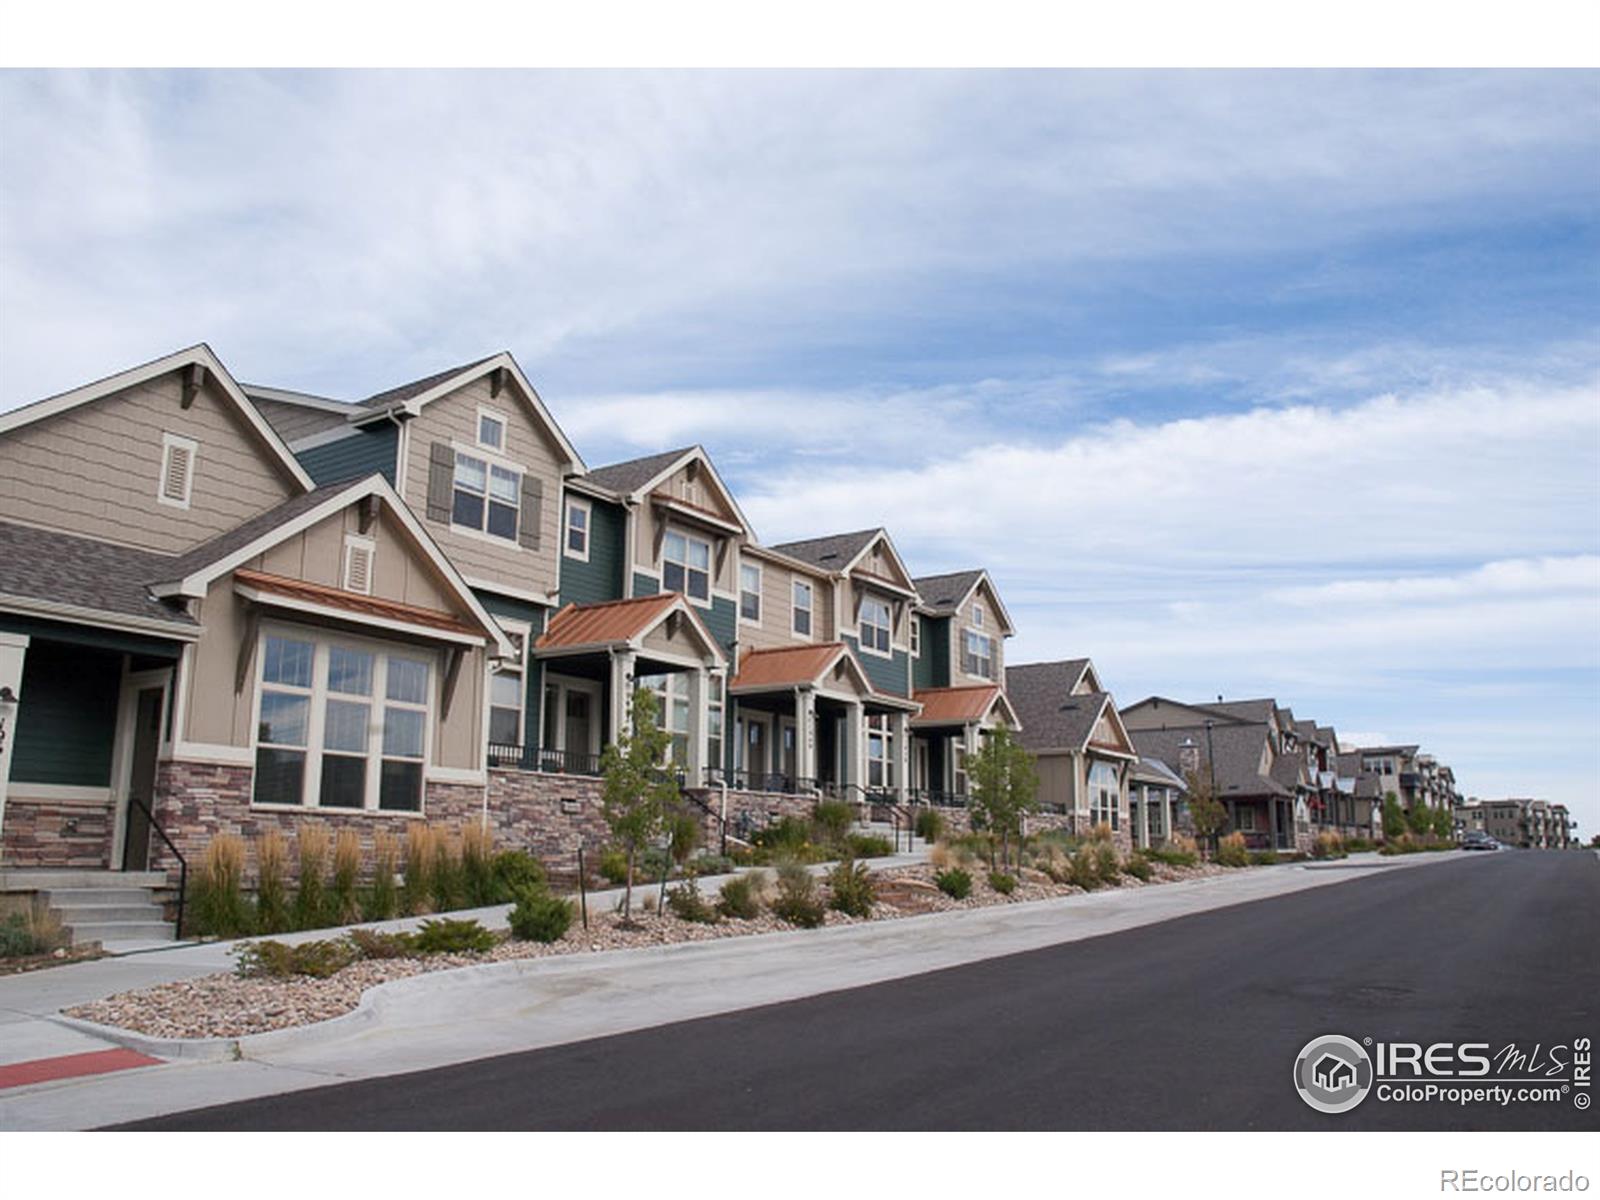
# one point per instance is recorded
(936, 799)
(549, 762)
(183, 863)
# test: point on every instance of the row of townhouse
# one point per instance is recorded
(226, 606)
(1525, 823)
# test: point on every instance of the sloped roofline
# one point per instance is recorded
(696, 453)
(983, 578)
(635, 641)
(198, 580)
(197, 355)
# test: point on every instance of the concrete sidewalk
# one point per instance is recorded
(419, 1023)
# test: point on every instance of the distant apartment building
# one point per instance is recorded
(1527, 824)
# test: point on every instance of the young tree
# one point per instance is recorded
(1208, 814)
(1444, 823)
(638, 794)
(1005, 787)
(1419, 819)
(1394, 817)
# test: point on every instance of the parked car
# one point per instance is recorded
(1479, 841)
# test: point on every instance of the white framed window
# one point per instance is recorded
(802, 608)
(1247, 819)
(916, 636)
(491, 430)
(880, 752)
(715, 710)
(959, 773)
(672, 703)
(977, 616)
(178, 456)
(750, 593)
(508, 690)
(487, 497)
(686, 566)
(1105, 806)
(359, 555)
(340, 723)
(580, 516)
(875, 618)
(978, 655)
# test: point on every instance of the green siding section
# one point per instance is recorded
(643, 585)
(67, 720)
(102, 639)
(932, 667)
(601, 578)
(887, 674)
(533, 679)
(353, 457)
(722, 619)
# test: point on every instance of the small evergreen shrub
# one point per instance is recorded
(741, 897)
(219, 904)
(276, 960)
(1231, 851)
(867, 845)
(1003, 883)
(1264, 858)
(613, 866)
(851, 890)
(687, 904)
(311, 898)
(1357, 845)
(28, 931)
(512, 873)
(929, 824)
(1138, 867)
(272, 893)
(383, 899)
(447, 936)
(370, 943)
(683, 836)
(1173, 855)
(954, 882)
(797, 901)
(712, 864)
(540, 917)
(833, 819)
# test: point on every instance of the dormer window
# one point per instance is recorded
(491, 430)
(686, 565)
(177, 470)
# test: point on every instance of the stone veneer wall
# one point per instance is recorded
(959, 820)
(65, 834)
(549, 816)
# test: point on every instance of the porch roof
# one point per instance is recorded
(615, 623)
(64, 575)
(785, 667)
(297, 591)
(956, 705)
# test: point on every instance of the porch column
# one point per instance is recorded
(621, 691)
(902, 755)
(1169, 811)
(1272, 822)
(805, 735)
(854, 743)
(13, 650)
(695, 767)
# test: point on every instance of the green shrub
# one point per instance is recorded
(220, 908)
(1357, 845)
(513, 872)
(277, 960)
(683, 835)
(28, 931)
(383, 899)
(797, 901)
(851, 889)
(867, 845)
(712, 864)
(687, 904)
(833, 819)
(955, 883)
(1173, 856)
(1002, 883)
(1137, 867)
(929, 824)
(370, 943)
(540, 917)
(1231, 851)
(446, 936)
(785, 835)
(1263, 858)
(741, 897)
(1328, 845)
(613, 866)
(1083, 868)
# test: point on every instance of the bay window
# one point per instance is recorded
(686, 565)
(340, 724)
(875, 626)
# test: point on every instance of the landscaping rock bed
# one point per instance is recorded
(225, 1005)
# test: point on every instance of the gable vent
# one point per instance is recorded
(358, 566)
(177, 470)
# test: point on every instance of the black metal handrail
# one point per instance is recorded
(548, 762)
(937, 799)
(183, 863)
(773, 782)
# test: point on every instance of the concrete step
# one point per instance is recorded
(75, 915)
(31, 879)
(64, 898)
(122, 931)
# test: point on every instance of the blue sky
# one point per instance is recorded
(1271, 383)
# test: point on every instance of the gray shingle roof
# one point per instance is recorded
(409, 391)
(1052, 717)
(628, 477)
(240, 536)
(1244, 710)
(41, 564)
(1238, 749)
(831, 552)
(1153, 770)
(945, 592)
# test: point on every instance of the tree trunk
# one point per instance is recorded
(627, 895)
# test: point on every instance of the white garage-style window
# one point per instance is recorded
(341, 723)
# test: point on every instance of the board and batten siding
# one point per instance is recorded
(453, 420)
(217, 714)
(95, 470)
(600, 578)
(364, 452)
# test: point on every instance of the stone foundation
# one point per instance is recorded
(959, 820)
(549, 816)
(60, 834)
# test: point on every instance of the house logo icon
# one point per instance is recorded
(1333, 1074)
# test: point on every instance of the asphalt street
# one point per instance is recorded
(1193, 1023)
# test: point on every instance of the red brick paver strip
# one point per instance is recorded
(69, 1066)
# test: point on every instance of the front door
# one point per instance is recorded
(756, 752)
(142, 778)
(580, 721)
(787, 761)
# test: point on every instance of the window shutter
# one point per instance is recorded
(441, 479)
(530, 529)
